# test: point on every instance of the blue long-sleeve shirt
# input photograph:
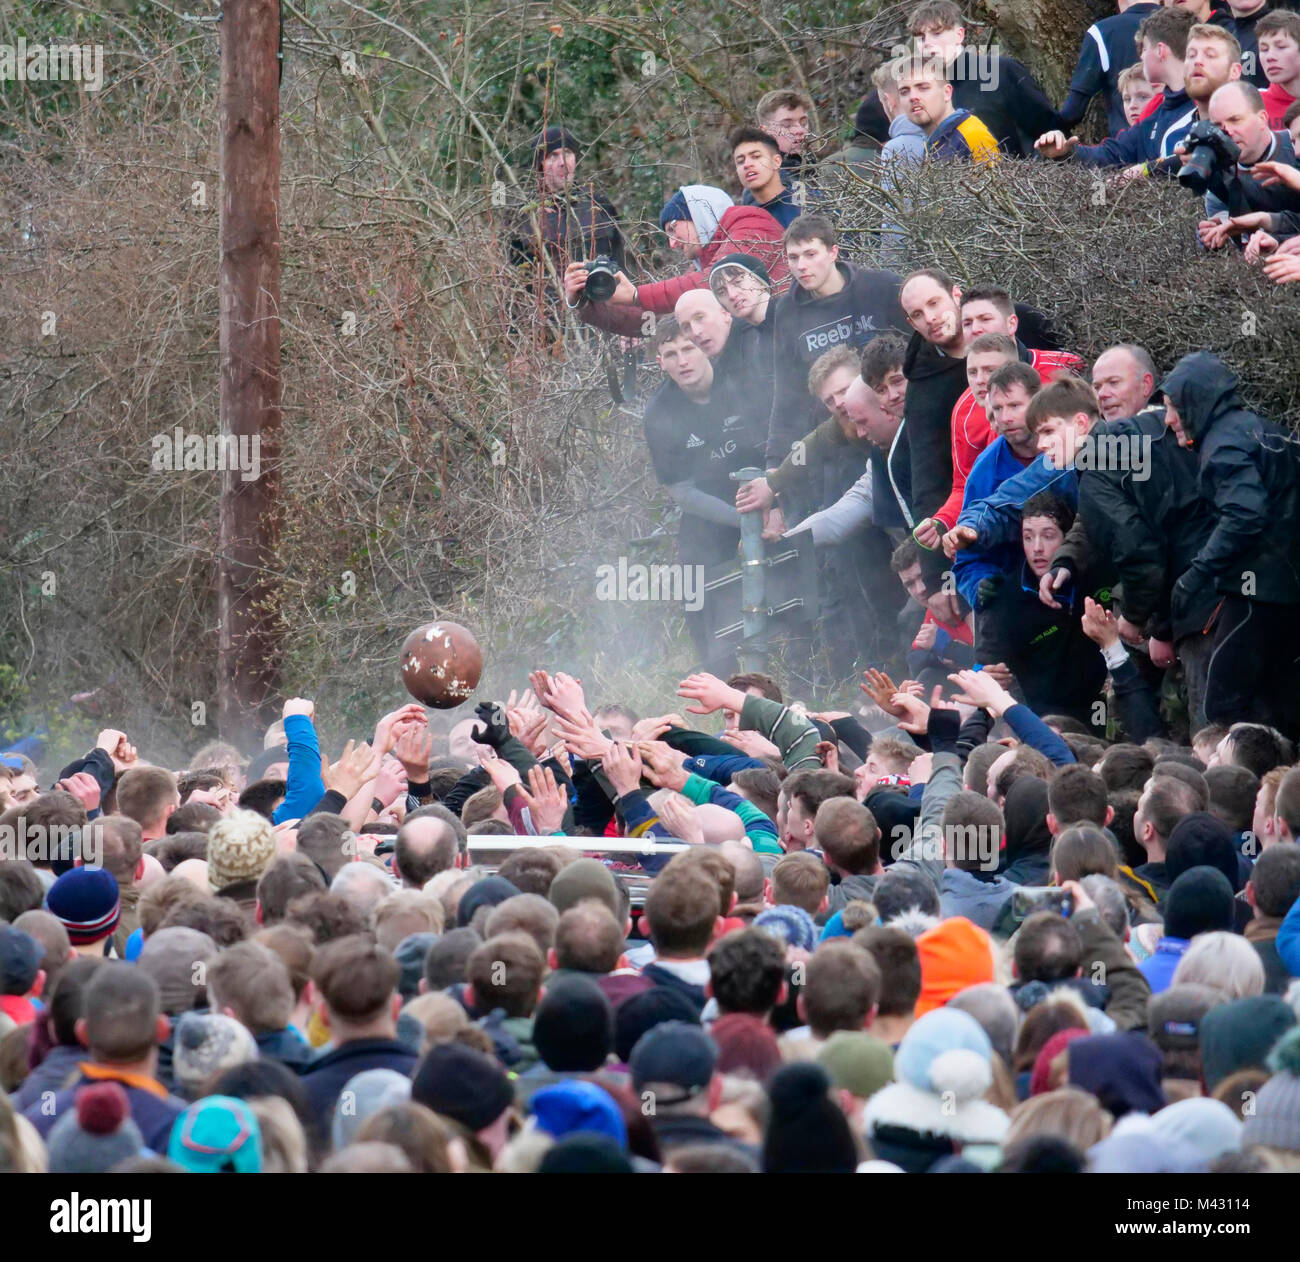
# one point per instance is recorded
(1151, 139)
(1037, 735)
(721, 767)
(984, 506)
(304, 787)
(1288, 940)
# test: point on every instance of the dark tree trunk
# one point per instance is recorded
(1045, 34)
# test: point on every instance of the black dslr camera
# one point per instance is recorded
(1208, 149)
(602, 279)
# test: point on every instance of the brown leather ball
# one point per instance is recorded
(441, 664)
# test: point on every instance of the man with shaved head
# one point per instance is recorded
(1237, 108)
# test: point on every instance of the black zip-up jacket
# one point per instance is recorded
(935, 382)
(806, 327)
(1057, 667)
(1244, 30)
(1247, 473)
(746, 367)
(1147, 522)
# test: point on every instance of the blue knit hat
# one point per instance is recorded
(574, 1106)
(86, 902)
(791, 924)
(946, 1051)
(217, 1135)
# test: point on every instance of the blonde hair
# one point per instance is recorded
(1073, 1114)
(1203, 30)
(442, 1017)
(284, 1145)
(1129, 74)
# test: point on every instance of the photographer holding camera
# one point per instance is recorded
(1220, 154)
(568, 219)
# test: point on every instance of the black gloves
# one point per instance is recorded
(495, 730)
(987, 590)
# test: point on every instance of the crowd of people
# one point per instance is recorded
(892, 416)
(934, 936)
(1034, 907)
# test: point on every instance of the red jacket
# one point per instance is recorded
(971, 433)
(1277, 100)
(741, 230)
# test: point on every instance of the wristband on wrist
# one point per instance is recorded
(377, 806)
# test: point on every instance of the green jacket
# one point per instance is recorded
(792, 734)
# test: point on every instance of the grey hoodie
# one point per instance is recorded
(963, 894)
(861, 885)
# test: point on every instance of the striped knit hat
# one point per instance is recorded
(85, 901)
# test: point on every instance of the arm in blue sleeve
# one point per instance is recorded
(1124, 150)
(1288, 940)
(1139, 711)
(721, 767)
(640, 820)
(1037, 735)
(996, 518)
(304, 787)
(970, 567)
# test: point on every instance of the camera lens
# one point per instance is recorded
(600, 286)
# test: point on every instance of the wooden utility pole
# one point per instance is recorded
(248, 654)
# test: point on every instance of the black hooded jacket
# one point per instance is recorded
(1148, 519)
(1027, 860)
(1248, 475)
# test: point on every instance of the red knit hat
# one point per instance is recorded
(746, 1043)
(1038, 1080)
(955, 955)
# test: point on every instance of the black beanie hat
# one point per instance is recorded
(267, 758)
(550, 140)
(1200, 840)
(488, 892)
(645, 1011)
(742, 262)
(585, 1153)
(1199, 901)
(573, 1027)
(462, 1084)
(806, 1132)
